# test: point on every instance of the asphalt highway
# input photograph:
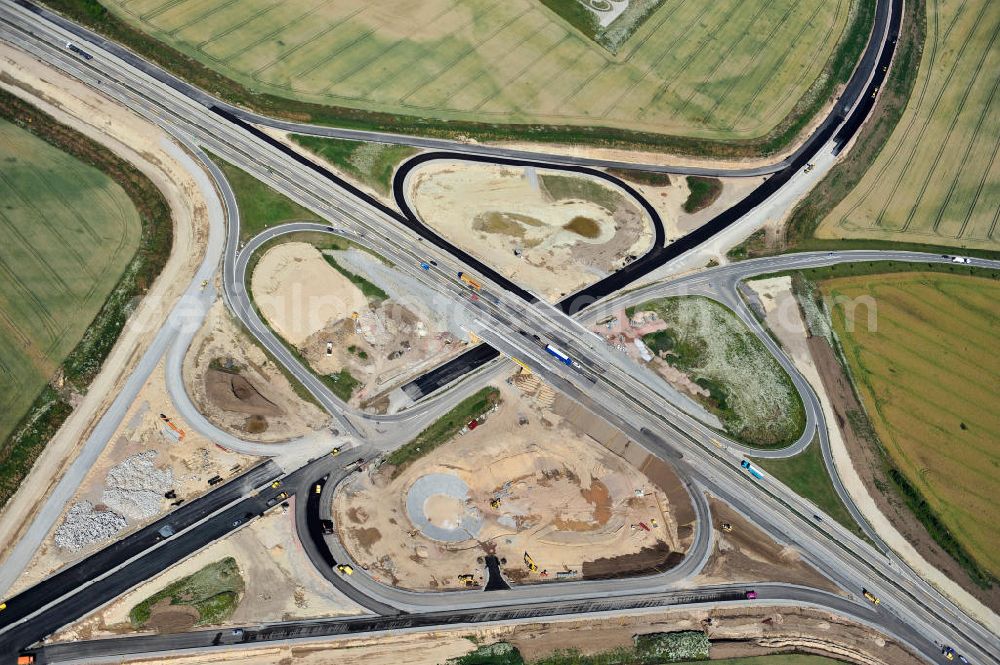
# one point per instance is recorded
(611, 388)
(709, 597)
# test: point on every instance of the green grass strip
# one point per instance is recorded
(444, 428)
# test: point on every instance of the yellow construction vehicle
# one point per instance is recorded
(530, 563)
(495, 503)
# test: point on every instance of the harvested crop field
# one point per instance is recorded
(525, 480)
(550, 231)
(927, 377)
(727, 69)
(720, 362)
(937, 180)
(68, 232)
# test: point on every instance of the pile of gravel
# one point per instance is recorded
(135, 487)
(84, 526)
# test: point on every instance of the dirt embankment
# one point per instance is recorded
(238, 388)
(735, 632)
(744, 553)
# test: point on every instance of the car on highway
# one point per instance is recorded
(237, 632)
(276, 484)
(345, 569)
(319, 488)
(3, 606)
(750, 594)
(236, 522)
(872, 598)
(327, 526)
(948, 653)
(809, 167)
(960, 259)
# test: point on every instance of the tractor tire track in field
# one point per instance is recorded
(16, 331)
(975, 199)
(899, 145)
(310, 41)
(52, 274)
(43, 313)
(519, 73)
(972, 142)
(472, 48)
(723, 57)
(409, 39)
(45, 220)
(652, 65)
(946, 142)
(269, 35)
(322, 62)
(527, 67)
(779, 65)
(734, 80)
(650, 31)
(234, 27)
(930, 115)
(424, 50)
(768, 114)
(665, 86)
(197, 18)
(148, 17)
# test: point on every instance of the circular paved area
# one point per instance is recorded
(437, 505)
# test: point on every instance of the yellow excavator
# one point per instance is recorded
(530, 563)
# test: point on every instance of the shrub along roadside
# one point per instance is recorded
(50, 409)
(837, 70)
(443, 429)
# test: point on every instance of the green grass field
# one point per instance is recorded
(748, 390)
(806, 475)
(214, 591)
(927, 378)
(444, 428)
(67, 232)
(721, 70)
(937, 180)
(260, 206)
(371, 163)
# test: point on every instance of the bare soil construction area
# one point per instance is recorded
(281, 584)
(744, 553)
(143, 461)
(734, 632)
(528, 485)
(236, 386)
(552, 232)
(353, 320)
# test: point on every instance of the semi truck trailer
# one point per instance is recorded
(562, 357)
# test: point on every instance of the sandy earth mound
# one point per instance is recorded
(239, 388)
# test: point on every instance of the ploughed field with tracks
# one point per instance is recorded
(925, 365)
(937, 180)
(721, 70)
(67, 232)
